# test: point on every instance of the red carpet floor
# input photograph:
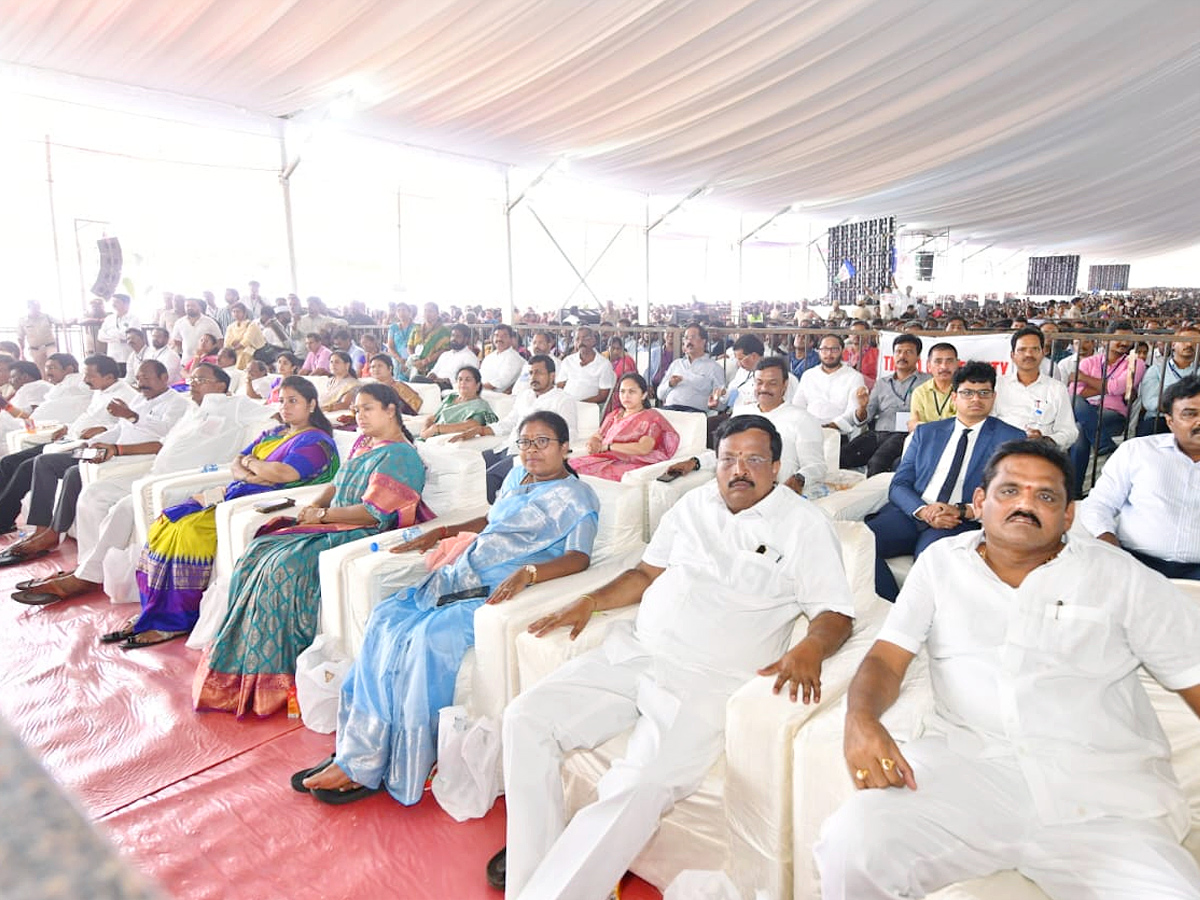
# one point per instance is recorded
(201, 802)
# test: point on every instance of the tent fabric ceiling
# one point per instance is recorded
(1024, 123)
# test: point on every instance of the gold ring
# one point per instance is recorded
(861, 774)
(887, 764)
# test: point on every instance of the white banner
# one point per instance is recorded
(995, 349)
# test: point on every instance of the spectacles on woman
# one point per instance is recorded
(541, 442)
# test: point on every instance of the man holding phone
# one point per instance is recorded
(140, 425)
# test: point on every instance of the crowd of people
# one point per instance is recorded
(987, 471)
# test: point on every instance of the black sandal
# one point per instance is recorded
(298, 778)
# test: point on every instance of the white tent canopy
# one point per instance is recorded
(1024, 123)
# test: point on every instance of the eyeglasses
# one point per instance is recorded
(967, 393)
(201, 380)
(541, 442)
(754, 461)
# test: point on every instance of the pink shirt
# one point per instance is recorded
(317, 359)
(1114, 395)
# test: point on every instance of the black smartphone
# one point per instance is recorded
(669, 476)
(464, 594)
(270, 506)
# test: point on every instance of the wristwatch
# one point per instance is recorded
(531, 571)
(962, 510)
(321, 513)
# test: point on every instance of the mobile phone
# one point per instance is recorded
(270, 506)
(464, 594)
(669, 476)
(88, 453)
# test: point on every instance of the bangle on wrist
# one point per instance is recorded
(590, 597)
(445, 534)
(116, 449)
(532, 572)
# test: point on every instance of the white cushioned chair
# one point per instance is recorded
(740, 819)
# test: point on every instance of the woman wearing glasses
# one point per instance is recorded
(542, 526)
(177, 560)
(275, 591)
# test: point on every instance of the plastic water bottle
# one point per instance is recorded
(411, 533)
(211, 467)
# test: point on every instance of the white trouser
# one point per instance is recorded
(103, 521)
(678, 724)
(969, 818)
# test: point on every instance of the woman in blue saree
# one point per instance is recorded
(541, 527)
(275, 591)
(177, 560)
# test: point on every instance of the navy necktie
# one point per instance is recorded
(956, 464)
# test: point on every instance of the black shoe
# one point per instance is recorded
(497, 868)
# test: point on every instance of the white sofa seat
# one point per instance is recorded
(352, 585)
(822, 782)
(740, 819)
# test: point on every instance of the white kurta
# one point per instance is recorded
(725, 605)
(1041, 732)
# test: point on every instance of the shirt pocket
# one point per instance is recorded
(1078, 637)
(759, 578)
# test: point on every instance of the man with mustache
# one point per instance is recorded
(692, 379)
(1103, 387)
(1029, 398)
(1161, 376)
(726, 575)
(1041, 751)
(1148, 494)
(938, 473)
(140, 427)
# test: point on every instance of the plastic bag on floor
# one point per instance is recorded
(120, 574)
(320, 671)
(469, 774)
(697, 884)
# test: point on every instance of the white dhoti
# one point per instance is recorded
(103, 521)
(969, 818)
(678, 724)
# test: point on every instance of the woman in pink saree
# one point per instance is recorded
(631, 435)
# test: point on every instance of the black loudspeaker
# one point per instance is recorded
(924, 267)
(110, 267)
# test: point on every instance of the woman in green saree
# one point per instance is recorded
(275, 591)
(427, 342)
(462, 410)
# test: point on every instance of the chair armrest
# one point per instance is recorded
(155, 493)
(858, 502)
(820, 780)
(537, 657)
(238, 520)
(497, 675)
(760, 730)
(118, 467)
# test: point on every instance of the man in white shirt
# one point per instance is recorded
(1028, 399)
(102, 385)
(585, 374)
(187, 331)
(541, 344)
(695, 378)
(160, 349)
(211, 431)
(501, 367)
(1044, 753)
(1148, 495)
(113, 328)
(542, 395)
(29, 391)
(728, 572)
(1161, 376)
(445, 370)
(828, 391)
(802, 459)
(145, 419)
